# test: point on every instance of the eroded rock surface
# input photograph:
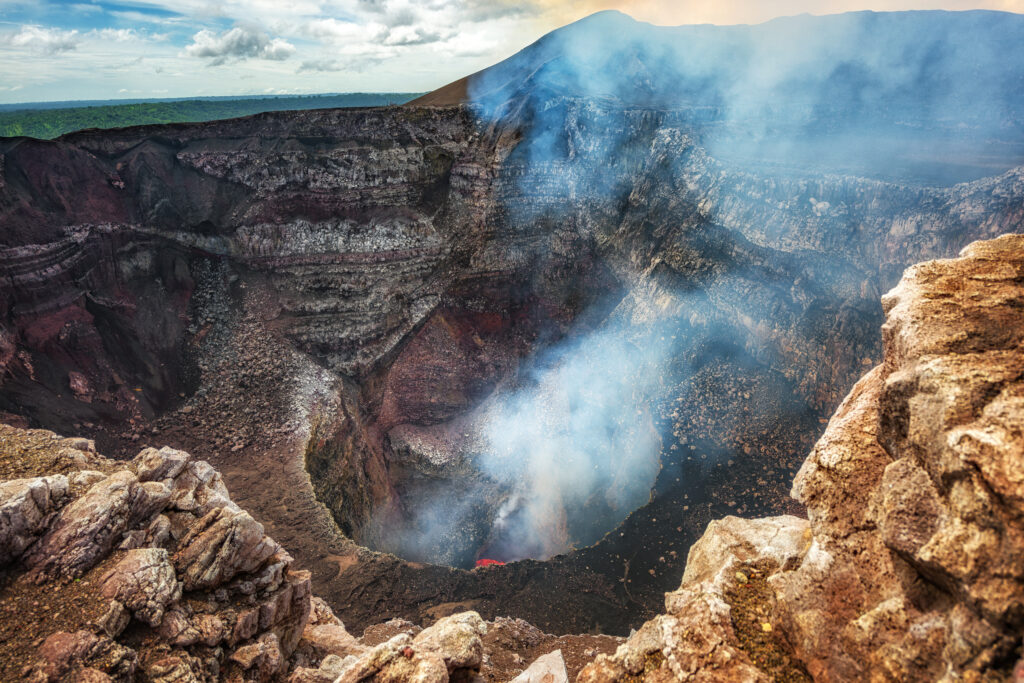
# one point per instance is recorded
(106, 555)
(25, 507)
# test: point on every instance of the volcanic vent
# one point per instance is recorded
(553, 459)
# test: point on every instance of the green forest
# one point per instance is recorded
(52, 123)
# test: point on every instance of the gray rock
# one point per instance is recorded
(86, 530)
(114, 620)
(25, 509)
(549, 668)
(144, 582)
(221, 545)
(457, 639)
(156, 465)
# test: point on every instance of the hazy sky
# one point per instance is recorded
(95, 49)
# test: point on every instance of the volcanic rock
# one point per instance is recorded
(246, 610)
(317, 302)
(221, 545)
(456, 639)
(25, 509)
(547, 669)
(89, 527)
(144, 581)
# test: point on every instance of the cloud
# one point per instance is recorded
(321, 65)
(358, 64)
(335, 30)
(238, 43)
(119, 35)
(489, 10)
(48, 41)
(414, 35)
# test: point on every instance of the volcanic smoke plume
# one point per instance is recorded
(575, 448)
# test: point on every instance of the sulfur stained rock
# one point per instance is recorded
(25, 509)
(912, 564)
(781, 539)
(694, 641)
(932, 578)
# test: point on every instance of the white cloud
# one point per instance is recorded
(334, 31)
(48, 41)
(120, 35)
(238, 43)
(321, 65)
(351, 65)
(414, 35)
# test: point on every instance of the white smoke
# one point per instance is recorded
(575, 445)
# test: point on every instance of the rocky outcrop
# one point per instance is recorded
(155, 544)
(910, 567)
(547, 669)
(25, 509)
(143, 581)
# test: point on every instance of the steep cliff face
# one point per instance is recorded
(910, 565)
(339, 292)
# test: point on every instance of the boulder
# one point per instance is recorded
(157, 465)
(456, 639)
(782, 539)
(549, 668)
(26, 506)
(198, 489)
(395, 661)
(86, 530)
(221, 545)
(143, 581)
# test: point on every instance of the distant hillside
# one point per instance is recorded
(933, 96)
(44, 122)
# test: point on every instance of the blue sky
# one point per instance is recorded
(92, 49)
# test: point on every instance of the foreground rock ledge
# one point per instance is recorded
(911, 567)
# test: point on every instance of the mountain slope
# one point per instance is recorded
(883, 88)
